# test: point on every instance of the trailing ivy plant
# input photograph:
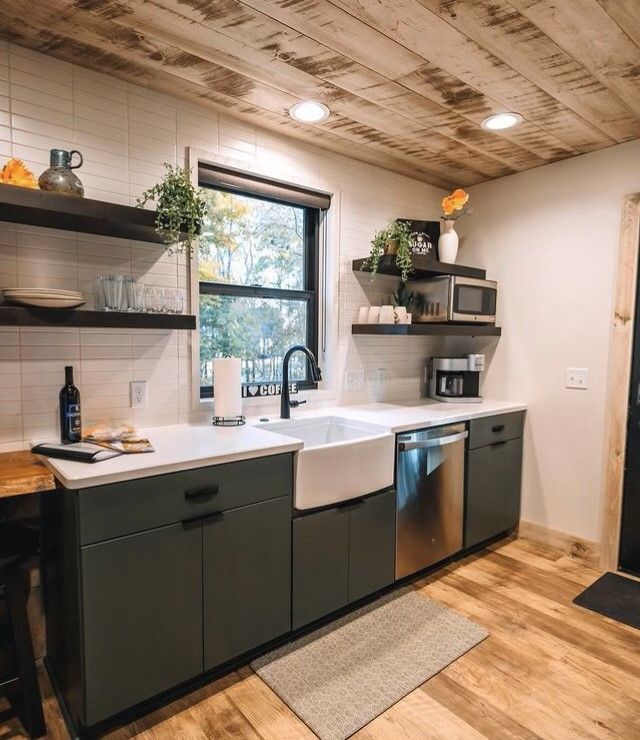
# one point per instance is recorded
(399, 234)
(179, 208)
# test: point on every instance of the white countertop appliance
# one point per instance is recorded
(455, 299)
(455, 379)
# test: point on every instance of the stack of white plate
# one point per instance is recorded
(44, 297)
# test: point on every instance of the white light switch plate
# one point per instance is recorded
(577, 377)
(138, 393)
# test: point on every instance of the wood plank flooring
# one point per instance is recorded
(548, 670)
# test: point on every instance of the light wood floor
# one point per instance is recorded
(548, 670)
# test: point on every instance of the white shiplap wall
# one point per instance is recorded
(125, 134)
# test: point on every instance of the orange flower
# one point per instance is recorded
(454, 202)
(15, 173)
(459, 198)
(448, 205)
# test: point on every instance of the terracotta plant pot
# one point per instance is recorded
(391, 247)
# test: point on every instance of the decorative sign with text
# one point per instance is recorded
(258, 390)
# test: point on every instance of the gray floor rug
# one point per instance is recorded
(342, 676)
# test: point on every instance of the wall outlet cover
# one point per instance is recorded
(578, 378)
(378, 376)
(138, 393)
(354, 380)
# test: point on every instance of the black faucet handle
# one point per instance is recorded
(295, 404)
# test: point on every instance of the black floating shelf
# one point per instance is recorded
(55, 211)
(422, 268)
(27, 316)
(427, 329)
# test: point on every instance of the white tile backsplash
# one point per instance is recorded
(126, 133)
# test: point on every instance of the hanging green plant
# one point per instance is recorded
(179, 208)
(395, 238)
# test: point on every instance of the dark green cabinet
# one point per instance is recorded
(493, 490)
(372, 545)
(341, 555)
(320, 564)
(246, 559)
(142, 614)
(150, 583)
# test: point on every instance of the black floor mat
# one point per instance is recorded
(613, 596)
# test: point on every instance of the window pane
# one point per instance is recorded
(247, 241)
(257, 330)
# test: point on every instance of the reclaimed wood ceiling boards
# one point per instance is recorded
(408, 82)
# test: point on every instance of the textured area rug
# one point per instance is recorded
(340, 677)
(613, 596)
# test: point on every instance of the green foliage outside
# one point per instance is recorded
(246, 241)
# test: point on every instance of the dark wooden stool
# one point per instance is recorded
(18, 544)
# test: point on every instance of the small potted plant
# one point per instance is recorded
(403, 297)
(179, 208)
(395, 238)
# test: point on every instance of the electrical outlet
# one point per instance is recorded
(355, 380)
(378, 376)
(138, 393)
(577, 377)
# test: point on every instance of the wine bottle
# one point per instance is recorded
(70, 423)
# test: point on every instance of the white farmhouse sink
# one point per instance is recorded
(341, 459)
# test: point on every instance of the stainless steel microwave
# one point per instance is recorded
(457, 299)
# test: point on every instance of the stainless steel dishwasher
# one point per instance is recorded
(430, 496)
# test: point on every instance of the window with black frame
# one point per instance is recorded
(258, 275)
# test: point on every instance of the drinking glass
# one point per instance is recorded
(112, 292)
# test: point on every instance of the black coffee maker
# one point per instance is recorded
(455, 379)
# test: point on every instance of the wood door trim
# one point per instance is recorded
(619, 378)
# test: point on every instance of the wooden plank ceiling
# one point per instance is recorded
(407, 81)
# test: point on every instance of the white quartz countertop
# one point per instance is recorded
(403, 417)
(184, 446)
(178, 447)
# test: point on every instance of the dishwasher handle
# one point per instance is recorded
(427, 443)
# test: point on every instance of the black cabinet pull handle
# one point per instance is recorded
(498, 444)
(215, 516)
(351, 503)
(498, 428)
(201, 494)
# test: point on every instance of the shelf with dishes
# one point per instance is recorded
(68, 317)
(120, 300)
(428, 329)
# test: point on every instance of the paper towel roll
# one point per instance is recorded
(227, 387)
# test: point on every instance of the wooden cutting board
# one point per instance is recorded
(22, 472)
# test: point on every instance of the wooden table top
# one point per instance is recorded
(22, 472)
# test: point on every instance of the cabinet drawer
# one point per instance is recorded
(133, 506)
(498, 428)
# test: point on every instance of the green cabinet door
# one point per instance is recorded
(320, 564)
(372, 544)
(493, 490)
(142, 616)
(246, 579)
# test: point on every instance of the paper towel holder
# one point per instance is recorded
(229, 421)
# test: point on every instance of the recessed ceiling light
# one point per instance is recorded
(309, 111)
(500, 121)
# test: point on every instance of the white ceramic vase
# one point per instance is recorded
(448, 242)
